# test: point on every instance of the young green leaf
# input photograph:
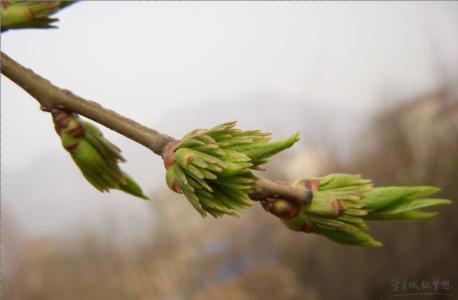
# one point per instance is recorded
(343, 202)
(213, 167)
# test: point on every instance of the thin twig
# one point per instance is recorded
(265, 189)
(50, 97)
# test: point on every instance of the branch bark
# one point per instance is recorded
(265, 189)
(52, 97)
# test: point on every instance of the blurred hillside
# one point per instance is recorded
(254, 257)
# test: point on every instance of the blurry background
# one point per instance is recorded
(371, 87)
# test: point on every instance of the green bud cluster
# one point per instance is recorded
(342, 203)
(95, 156)
(213, 167)
(18, 14)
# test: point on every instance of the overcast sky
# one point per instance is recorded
(148, 60)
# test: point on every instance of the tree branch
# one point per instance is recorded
(265, 189)
(51, 97)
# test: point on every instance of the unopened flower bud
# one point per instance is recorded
(95, 156)
(16, 14)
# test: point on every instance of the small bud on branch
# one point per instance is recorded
(95, 156)
(23, 14)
